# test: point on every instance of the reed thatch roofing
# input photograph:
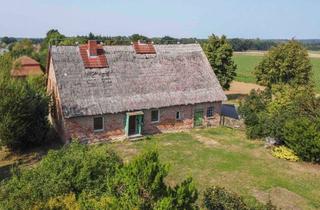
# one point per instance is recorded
(175, 75)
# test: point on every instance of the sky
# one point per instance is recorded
(265, 19)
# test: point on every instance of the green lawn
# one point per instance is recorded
(222, 156)
(246, 64)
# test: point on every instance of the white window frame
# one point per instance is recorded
(180, 115)
(158, 115)
(98, 130)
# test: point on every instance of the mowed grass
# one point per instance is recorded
(247, 62)
(225, 157)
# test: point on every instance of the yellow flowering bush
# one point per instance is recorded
(284, 152)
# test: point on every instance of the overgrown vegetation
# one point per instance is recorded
(79, 176)
(219, 53)
(291, 117)
(288, 110)
(24, 108)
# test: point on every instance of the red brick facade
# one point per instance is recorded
(114, 124)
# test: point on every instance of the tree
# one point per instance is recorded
(8, 40)
(23, 108)
(23, 47)
(287, 63)
(219, 53)
(23, 114)
(138, 37)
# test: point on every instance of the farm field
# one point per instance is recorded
(225, 157)
(246, 63)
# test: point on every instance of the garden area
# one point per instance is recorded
(222, 157)
(225, 157)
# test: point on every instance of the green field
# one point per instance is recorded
(246, 64)
(225, 157)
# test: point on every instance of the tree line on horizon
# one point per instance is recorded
(238, 44)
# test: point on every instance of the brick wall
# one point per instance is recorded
(114, 124)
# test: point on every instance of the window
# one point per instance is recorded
(210, 111)
(155, 117)
(98, 123)
(178, 115)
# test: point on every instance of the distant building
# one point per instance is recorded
(3, 50)
(111, 92)
(26, 66)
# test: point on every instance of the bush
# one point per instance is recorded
(302, 135)
(284, 152)
(252, 110)
(23, 114)
(93, 177)
(216, 198)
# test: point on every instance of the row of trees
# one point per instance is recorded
(94, 177)
(236, 43)
(288, 110)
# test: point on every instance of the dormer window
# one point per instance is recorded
(92, 48)
(93, 55)
(144, 48)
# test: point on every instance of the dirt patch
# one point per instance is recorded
(242, 88)
(281, 197)
(306, 168)
(312, 54)
(206, 141)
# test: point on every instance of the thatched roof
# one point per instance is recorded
(175, 75)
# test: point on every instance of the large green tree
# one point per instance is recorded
(219, 53)
(287, 63)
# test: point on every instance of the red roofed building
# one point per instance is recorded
(26, 66)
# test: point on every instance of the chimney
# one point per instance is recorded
(92, 48)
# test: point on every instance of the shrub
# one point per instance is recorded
(216, 198)
(23, 114)
(302, 135)
(284, 152)
(252, 110)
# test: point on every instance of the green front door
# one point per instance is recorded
(133, 123)
(198, 118)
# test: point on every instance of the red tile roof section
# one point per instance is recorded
(142, 48)
(93, 55)
(26, 66)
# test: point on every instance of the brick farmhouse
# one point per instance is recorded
(116, 92)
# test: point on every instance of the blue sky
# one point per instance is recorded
(178, 18)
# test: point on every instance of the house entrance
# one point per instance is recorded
(198, 118)
(134, 123)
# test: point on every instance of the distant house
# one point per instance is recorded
(26, 66)
(111, 92)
